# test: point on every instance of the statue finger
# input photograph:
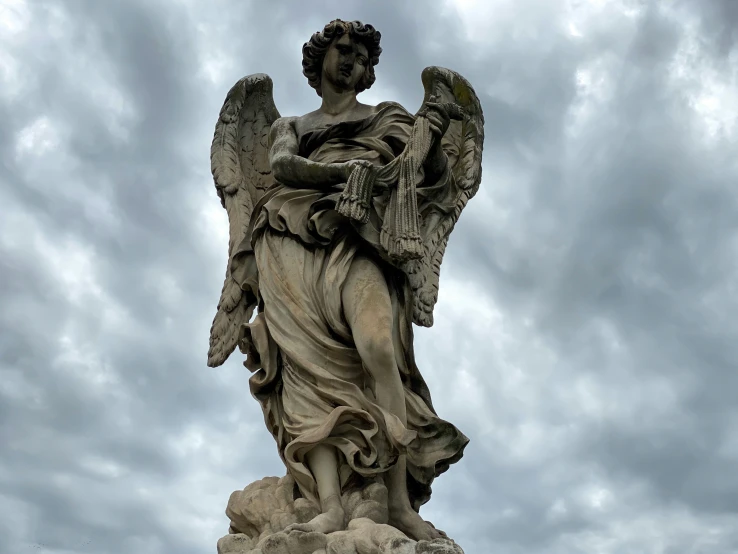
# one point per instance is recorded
(454, 111)
(435, 124)
(432, 117)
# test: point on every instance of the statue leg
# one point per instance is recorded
(323, 463)
(368, 308)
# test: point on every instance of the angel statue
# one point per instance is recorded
(338, 224)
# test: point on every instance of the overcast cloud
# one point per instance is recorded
(585, 338)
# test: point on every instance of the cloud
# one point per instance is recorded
(584, 338)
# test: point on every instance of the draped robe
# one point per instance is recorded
(308, 376)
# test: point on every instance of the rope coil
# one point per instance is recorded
(400, 234)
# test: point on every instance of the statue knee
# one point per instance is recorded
(380, 355)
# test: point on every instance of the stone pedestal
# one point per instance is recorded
(261, 513)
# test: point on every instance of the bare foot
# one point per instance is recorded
(329, 521)
(409, 522)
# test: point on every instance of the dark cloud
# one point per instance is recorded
(584, 337)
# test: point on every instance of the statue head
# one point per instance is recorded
(343, 52)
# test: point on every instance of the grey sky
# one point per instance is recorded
(585, 337)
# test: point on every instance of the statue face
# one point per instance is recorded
(345, 63)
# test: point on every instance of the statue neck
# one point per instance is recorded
(337, 101)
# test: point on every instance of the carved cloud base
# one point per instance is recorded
(261, 512)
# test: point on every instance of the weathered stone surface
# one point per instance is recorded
(398, 545)
(235, 544)
(267, 532)
(438, 546)
(369, 502)
(339, 221)
(367, 539)
(266, 507)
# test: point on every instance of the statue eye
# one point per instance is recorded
(362, 60)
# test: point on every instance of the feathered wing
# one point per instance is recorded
(462, 144)
(239, 160)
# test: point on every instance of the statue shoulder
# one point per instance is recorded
(282, 135)
(284, 123)
(282, 126)
(389, 104)
(303, 123)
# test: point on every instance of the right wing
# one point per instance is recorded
(463, 144)
(239, 159)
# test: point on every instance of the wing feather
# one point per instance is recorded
(462, 144)
(239, 160)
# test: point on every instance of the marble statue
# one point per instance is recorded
(339, 220)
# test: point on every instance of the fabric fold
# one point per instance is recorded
(308, 376)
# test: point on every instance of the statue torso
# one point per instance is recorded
(320, 120)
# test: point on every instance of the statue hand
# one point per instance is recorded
(348, 167)
(440, 114)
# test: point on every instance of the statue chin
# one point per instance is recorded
(341, 83)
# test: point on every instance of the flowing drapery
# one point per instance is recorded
(309, 378)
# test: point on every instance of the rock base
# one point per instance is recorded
(261, 512)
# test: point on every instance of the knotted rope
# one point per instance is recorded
(400, 234)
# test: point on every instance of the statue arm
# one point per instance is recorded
(293, 170)
(436, 162)
(439, 116)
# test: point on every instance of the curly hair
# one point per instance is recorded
(314, 51)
